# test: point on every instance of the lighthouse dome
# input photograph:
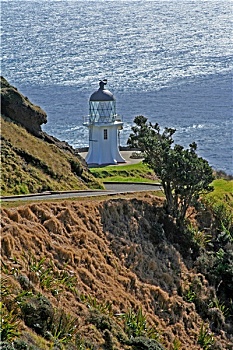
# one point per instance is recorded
(102, 105)
(102, 94)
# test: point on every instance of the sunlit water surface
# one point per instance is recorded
(167, 60)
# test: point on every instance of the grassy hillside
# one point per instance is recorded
(223, 190)
(29, 164)
(112, 274)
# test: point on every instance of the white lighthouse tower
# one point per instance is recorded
(104, 126)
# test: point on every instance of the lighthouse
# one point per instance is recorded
(104, 127)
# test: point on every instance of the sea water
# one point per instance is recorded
(168, 60)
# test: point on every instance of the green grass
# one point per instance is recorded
(223, 191)
(221, 203)
(139, 172)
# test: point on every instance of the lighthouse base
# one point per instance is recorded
(103, 144)
(104, 158)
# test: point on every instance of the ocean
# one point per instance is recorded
(169, 60)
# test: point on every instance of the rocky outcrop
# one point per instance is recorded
(19, 109)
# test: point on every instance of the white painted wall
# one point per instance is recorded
(104, 151)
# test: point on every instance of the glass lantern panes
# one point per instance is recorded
(102, 111)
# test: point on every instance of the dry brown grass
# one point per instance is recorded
(109, 247)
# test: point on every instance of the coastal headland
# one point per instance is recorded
(103, 273)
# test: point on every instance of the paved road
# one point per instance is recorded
(131, 187)
(111, 188)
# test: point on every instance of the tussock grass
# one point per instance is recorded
(97, 260)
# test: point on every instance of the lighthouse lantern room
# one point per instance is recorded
(104, 126)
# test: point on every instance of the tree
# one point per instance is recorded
(184, 176)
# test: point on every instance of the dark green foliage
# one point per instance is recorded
(184, 175)
(18, 344)
(100, 320)
(6, 346)
(216, 261)
(76, 167)
(62, 326)
(108, 345)
(21, 345)
(25, 282)
(218, 268)
(143, 343)
(37, 313)
(84, 344)
(222, 215)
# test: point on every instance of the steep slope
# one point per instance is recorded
(31, 165)
(111, 269)
(31, 160)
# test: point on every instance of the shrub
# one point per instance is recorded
(101, 321)
(37, 313)
(76, 167)
(62, 326)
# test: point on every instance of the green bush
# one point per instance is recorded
(62, 326)
(76, 167)
(37, 312)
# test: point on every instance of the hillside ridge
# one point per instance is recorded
(33, 161)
